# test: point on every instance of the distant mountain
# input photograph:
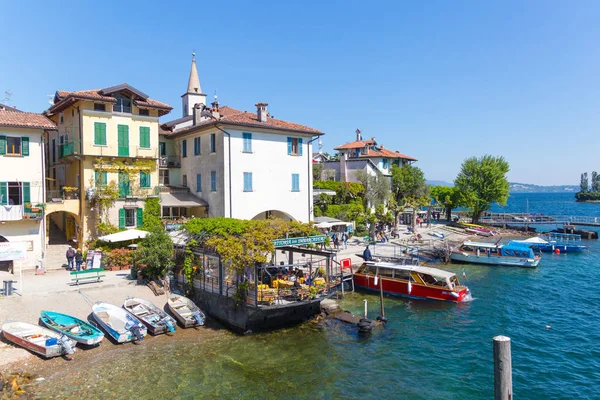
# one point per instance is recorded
(438, 183)
(528, 188)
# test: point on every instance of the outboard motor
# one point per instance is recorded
(168, 322)
(137, 332)
(198, 318)
(65, 343)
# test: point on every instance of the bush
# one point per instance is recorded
(587, 196)
(119, 258)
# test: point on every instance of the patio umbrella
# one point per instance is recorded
(130, 234)
(324, 225)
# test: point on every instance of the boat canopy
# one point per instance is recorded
(424, 270)
(518, 245)
(533, 240)
(486, 245)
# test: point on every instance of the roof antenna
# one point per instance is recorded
(50, 99)
(6, 98)
(216, 97)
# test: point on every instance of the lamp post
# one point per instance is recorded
(133, 247)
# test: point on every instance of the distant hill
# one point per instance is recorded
(528, 188)
(438, 183)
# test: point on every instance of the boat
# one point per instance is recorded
(480, 231)
(186, 312)
(557, 242)
(38, 339)
(505, 252)
(412, 281)
(437, 234)
(156, 320)
(118, 323)
(74, 328)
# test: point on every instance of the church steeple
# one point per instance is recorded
(194, 93)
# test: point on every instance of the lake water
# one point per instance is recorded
(428, 350)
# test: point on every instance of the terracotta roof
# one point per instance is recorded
(381, 152)
(232, 116)
(356, 144)
(63, 98)
(20, 119)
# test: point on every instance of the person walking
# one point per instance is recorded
(78, 259)
(367, 254)
(336, 241)
(70, 258)
(345, 240)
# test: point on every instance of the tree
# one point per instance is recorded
(481, 182)
(595, 182)
(584, 185)
(447, 197)
(151, 214)
(156, 252)
(317, 170)
(377, 192)
(409, 189)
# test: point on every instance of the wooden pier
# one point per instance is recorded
(536, 219)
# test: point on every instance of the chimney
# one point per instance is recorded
(261, 112)
(215, 109)
(358, 137)
(198, 113)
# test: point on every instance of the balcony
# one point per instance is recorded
(71, 147)
(169, 161)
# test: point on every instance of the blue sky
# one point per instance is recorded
(438, 80)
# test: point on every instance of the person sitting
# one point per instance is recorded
(367, 254)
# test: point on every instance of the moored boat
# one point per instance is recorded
(186, 312)
(118, 323)
(511, 253)
(156, 320)
(38, 339)
(563, 242)
(480, 231)
(74, 328)
(411, 281)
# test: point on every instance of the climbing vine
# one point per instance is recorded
(188, 270)
(138, 165)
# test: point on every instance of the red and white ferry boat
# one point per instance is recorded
(411, 281)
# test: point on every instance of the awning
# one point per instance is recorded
(181, 200)
(123, 236)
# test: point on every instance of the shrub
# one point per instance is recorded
(119, 258)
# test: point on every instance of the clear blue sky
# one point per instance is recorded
(437, 80)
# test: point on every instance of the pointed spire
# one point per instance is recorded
(194, 81)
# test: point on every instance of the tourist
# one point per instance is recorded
(336, 242)
(367, 254)
(78, 259)
(345, 240)
(70, 258)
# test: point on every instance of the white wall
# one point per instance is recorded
(25, 231)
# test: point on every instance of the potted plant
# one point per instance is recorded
(69, 191)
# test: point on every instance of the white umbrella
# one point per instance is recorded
(130, 234)
(324, 225)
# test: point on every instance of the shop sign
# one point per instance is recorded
(13, 251)
(172, 227)
(299, 241)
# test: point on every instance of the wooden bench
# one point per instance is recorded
(88, 275)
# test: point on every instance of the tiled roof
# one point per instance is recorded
(356, 144)
(381, 152)
(20, 119)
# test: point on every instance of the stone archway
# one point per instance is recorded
(68, 225)
(274, 214)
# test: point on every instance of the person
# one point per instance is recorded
(78, 259)
(345, 240)
(367, 254)
(336, 242)
(420, 222)
(70, 258)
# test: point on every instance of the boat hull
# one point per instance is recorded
(40, 348)
(92, 339)
(568, 248)
(184, 317)
(400, 288)
(120, 334)
(458, 256)
(153, 317)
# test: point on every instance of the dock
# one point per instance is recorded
(333, 310)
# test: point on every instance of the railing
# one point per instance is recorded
(69, 148)
(170, 161)
(61, 195)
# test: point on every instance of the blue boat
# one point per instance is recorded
(74, 328)
(557, 242)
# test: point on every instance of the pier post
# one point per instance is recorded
(502, 369)
(365, 308)
(381, 297)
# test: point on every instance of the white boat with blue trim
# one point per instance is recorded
(504, 252)
(120, 324)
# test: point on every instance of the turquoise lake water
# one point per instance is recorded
(428, 350)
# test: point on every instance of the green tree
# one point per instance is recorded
(584, 185)
(317, 170)
(481, 182)
(377, 188)
(152, 222)
(447, 197)
(156, 253)
(409, 189)
(595, 182)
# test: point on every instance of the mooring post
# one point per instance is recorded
(365, 308)
(502, 369)
(381, 297)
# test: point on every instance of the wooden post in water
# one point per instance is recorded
(502, 369)
(381, 297)
(365, 308)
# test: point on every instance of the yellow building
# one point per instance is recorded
(102, 162)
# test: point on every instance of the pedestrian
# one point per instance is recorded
(78, 259)
(367, 254)
(336, 241)
(345, 240)
(70, 258)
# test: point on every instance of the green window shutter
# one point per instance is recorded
(100, 133)
(2, 144)
(144, 179)
(24, 146)
(140, 217)
(105, 178)
(123, 140)
(122, 218)
(26, 192)
(289, 145)
(144, 137)
(3, 193)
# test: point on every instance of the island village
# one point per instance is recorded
(224, 216)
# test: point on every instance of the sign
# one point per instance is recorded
(172, 227)
(299, 241)
(97, 263)
(13, 251)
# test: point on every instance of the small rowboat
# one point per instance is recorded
(153, 317)
(186, 312)
(480, 231)
(74, 328)
(118, 323)
(38, 339)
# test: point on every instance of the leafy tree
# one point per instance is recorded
(409, 189)
(377, 188)
(584, 185)
(447, 197)
(481, 182)
(156, 252)
(595, 182)
(152, 222)
(317, 170)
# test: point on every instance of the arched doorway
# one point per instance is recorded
(274, 214)
(5, 265)
(63, 229)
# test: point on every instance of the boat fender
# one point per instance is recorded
(66, 345)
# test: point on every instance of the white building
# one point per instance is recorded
(22, 195)
(238, 164)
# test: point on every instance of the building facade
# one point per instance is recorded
(22, 197)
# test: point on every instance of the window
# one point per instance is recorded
(184, 180)
(62, 117)
(144, 179)
(163, 177)
(99, 107)
(197, 150)
(184, 148)
(101, 178)
(100, 133)
(130, 217)
(212, 142)
(123, 140)
(247, 181)
(123, 104)
(144, 137)
(294, 146)
(385, 164)
(145, 112)
(162, 149)
(15, 193)
(295, 182)
(247, 142)
(13, 145)
(123, 184)
(213, 180)
(198, 182)
(53, 150)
